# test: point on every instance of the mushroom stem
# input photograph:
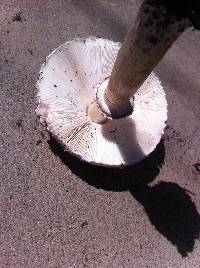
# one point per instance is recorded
(155, 30)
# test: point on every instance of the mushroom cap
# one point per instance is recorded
(67, 85)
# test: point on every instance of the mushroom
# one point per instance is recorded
(101, 100)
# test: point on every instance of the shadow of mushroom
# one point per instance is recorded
(111, 179)
(168, 206)
(122, 132)
(172, 212)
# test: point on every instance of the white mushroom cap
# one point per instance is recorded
(68, 81)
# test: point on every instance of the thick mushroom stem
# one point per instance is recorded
(155, 30)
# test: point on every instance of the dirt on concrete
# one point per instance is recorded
(58, 212)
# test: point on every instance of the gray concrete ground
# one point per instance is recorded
(57, 212)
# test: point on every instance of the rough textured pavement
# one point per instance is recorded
(57, 212)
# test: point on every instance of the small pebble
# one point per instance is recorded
(197, 167)
(83, 224)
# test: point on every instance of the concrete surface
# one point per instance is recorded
(57, 212)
